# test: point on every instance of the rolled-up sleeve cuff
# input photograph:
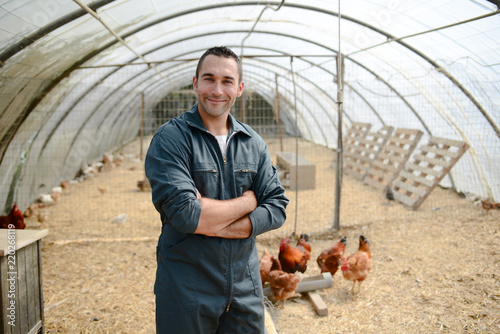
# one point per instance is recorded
(264, 220)
(185, 213)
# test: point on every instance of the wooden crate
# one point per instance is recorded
(392, 158)
(359, 159)
(426, 169)
(21, 294)
(300, 172)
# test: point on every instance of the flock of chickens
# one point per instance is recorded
(284, 272)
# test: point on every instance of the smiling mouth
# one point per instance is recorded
(215, 100)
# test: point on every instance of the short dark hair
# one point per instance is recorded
(221, 51)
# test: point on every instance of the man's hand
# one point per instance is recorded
(250, 196)
(217, 215)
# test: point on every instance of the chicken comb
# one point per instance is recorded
(16, 211)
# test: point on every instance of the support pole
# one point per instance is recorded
(296, 148)
(278, 114)
(142, 124)
(242, 107)
(340, 154)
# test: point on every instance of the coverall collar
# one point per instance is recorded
(193, 119)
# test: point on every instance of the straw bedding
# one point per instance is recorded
(434, 269)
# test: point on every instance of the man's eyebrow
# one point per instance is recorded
(208, 74)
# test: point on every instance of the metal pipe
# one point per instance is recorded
(340, 154)
(296, 148)
(398, 39)
(32, 38)
(257, 20)
(98, 18)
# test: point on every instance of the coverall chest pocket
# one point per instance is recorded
(244, 175)
(206, 179)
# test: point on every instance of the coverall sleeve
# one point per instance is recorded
(173, 189)
(270, 213)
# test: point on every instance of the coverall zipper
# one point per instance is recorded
(227, 145)
(230, 264)
(230, 278)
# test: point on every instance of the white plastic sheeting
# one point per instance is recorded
(62, 104)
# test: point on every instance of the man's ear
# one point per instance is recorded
(195, 84)
(240, 89)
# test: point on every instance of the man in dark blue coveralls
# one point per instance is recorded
(215, 189)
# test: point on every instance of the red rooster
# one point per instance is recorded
(14, 219)
(291, 258)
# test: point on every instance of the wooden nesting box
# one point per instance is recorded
(300, 172)
(21, 297)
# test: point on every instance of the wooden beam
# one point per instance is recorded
(318, 303)
(308, 283)
(270, 327)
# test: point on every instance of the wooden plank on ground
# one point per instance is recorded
(270, 327)
(308, 283)
(318, 303)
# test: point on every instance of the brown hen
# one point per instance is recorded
(330, 259)
(283, 285)
(356, 266)
(14, 219)
(265, 264)
(304, 246)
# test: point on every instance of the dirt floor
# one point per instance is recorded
(436, 269)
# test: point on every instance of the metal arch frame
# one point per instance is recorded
(97, 51)
(304, 105)
(288, 102)
(214, 33)
(307, 41)
(91, 54)
(111, 93)
(192, 37)
(32, 38)
(369, 26)
(284, 69)
(120, 114)
(320, 45)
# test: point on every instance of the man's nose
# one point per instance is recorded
(217, 88)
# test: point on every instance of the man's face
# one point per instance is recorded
(217, 85)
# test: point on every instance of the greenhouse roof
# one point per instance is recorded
(74, 73)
